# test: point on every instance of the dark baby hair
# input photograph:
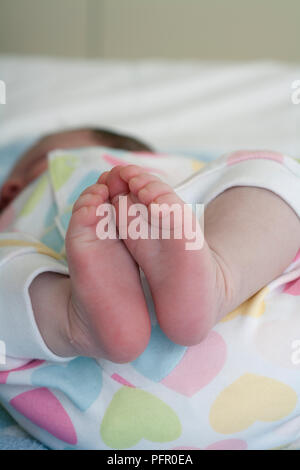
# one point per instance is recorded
(120, 141)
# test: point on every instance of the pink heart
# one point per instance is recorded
(242, 155)
(228, 444)
(293, 287)
(42, 408)
(151, 154)
(114, 161)
(121, 380)
(4, 374)
(186, 448)
(297, 256)
(199, 366)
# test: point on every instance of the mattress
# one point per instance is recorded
(172, 105)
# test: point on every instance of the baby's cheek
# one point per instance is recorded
(7, 217)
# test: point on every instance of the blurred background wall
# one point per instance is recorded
(132, 29)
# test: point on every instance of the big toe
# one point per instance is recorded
(115, 183)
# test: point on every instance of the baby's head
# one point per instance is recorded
(34, 161)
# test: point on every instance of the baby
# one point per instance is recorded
(252, 234)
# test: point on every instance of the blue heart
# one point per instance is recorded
(65, 219)
(80, 380)
(160, 357)
(50, 215)
(53, 239)
(89, 179)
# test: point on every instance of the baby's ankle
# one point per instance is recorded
(225, 288)
(120, 345)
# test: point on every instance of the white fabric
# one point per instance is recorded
(174, 105)
(19, 265)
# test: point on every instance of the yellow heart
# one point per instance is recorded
(251, 398)
(196, 165)
(61, 169)
(254, 307)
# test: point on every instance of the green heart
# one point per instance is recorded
(36, 196)
(61, 169)
(134, 414)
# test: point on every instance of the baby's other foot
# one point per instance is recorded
(184, 283)
(108, 315)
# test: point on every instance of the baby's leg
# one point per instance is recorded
(251, 236)
(100, 311)
(254, 235)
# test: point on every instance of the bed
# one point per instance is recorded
(194, 108)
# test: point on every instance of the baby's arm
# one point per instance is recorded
(254, 235)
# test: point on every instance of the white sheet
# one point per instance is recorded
(173, 105)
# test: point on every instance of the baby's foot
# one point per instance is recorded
(183, 282)
(108, 314)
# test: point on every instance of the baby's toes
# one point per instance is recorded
(115, 183)
(84, 209)
(146, 186)
(154, 191)
(91, 196)
(130, 171)
(103, 177)
(97, 189)
(139, 182)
